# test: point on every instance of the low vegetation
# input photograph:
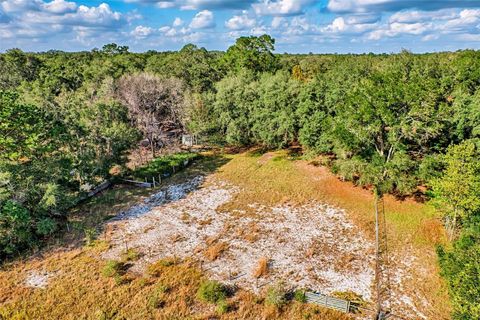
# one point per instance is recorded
(276, 296)
(164, 166)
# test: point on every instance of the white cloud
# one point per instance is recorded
(203, 20)
(240, 22)
(141, 32)
(353, 5)
(349, 25)
(430, 37)
(429, 24)
(198, 4)
(396, 28)
(60, 6)
(13, 6)
(39, 19)
(259, 30)
(165, 5)
(281, 7)
(356, 6)
(467, 19)
(177, 22)
(413, 16)
(469, 37)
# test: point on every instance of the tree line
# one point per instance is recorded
(397, 121)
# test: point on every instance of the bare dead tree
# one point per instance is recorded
(155, 105)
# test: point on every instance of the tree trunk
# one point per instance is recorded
(453, 225)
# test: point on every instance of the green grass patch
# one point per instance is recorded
(113, 268)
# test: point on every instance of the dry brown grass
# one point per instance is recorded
(215, 250)
(176, 237)
(251, 233)
(261, 269)
(410, 224)
(167, 291)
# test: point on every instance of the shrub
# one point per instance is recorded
(212, 291)
(113, 268)
(460, 267)
(276, 296)
(299, 295)
(155, 302)
(222, 307)
(15, 228)
(90, 235)
(46, 226)
(164, 165)
(130, 255)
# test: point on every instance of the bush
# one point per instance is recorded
(15, 228)
(90, 234)
(276, 296)
(299, 295)
(222, 307)
(460, 266)
(113, 268)
(262, 268)
(46, 226)
(212, 291)
(157, 298)
(130, 255)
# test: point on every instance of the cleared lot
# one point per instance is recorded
(309, 246)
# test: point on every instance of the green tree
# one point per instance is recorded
(253, 54)
(274, 122)
(461, 267)
(457, 192)
(17, 66)
(113, 48)
(236, 96)
(25, 130)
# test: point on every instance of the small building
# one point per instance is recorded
(188, 140)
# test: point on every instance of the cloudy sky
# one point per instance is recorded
(299, 26)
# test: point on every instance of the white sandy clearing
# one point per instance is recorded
(405, 268)
(312, 246)
(37, 279)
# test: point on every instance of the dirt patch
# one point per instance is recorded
(266, 157)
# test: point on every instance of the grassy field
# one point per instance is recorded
(77, 288)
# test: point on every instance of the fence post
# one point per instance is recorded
(153, 182)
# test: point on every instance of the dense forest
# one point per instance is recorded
(407, 123)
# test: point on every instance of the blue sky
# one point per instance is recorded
(299, 26)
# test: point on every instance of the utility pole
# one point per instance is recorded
(382, 279)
